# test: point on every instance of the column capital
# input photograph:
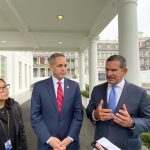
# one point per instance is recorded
(93, 38)
(119, 3)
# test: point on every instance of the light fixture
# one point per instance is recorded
(59, 42)
(3, 41)
(60, 17)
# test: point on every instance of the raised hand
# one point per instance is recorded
(123, 118)
(103, 114)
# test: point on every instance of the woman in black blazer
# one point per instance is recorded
(12, 133)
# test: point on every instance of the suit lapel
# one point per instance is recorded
(66, 89)
(51, 91)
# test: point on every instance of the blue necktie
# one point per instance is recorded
(112, 99)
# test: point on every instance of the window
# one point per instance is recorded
(101, 76)
(42, 72)
(35, 72)
(35, 61)
(42, 60)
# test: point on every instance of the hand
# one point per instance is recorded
(99, 147)
(123, 118)
(56, 144)
(66, 142)
(103, 114)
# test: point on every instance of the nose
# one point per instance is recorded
(109, 73)
(63, 68)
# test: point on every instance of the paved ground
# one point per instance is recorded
(86, 135)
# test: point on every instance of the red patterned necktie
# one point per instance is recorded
(59, 96)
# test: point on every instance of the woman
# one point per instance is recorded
(12, 134)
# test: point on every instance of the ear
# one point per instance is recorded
(51, 67)
(125, 70)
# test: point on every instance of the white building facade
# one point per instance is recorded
(16, 68)
(41, 69)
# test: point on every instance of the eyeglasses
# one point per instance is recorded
(6, 87)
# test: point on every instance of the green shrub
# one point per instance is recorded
(87, 87)
(146, 139)
(85, 93)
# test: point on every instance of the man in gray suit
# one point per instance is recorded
(56, 109)
(128, 116)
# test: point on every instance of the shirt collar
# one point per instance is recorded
(56, 80)
(120, 84)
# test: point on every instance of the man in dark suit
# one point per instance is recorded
(56, 116)
(130, 117)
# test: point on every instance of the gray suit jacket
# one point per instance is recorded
(46, 119)
(138, 106)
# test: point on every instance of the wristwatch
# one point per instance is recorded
(133, 126)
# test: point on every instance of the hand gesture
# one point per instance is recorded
(123, 118)
(103, 114)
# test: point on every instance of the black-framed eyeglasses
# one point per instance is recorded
(6, 87)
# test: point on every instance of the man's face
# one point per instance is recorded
(59, 67)
(114, 74)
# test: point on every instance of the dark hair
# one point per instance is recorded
(6, 101)
(53, 56)
(119, 58)
(2, 80)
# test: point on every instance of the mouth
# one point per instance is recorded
(110, 78)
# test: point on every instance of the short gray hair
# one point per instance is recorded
(53, 56)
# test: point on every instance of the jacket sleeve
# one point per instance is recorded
(91, 106)
(37, 122)
(142, 122)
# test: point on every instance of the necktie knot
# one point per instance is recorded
(59, 83)
(114, 86)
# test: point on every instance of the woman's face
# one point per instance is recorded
(4, 91)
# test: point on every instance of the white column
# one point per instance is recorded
(82, 70)
(93, 71)
(128, 38)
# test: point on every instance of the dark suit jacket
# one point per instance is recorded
(138, 106)
(46, 119)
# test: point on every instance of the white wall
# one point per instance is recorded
(12, 76)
